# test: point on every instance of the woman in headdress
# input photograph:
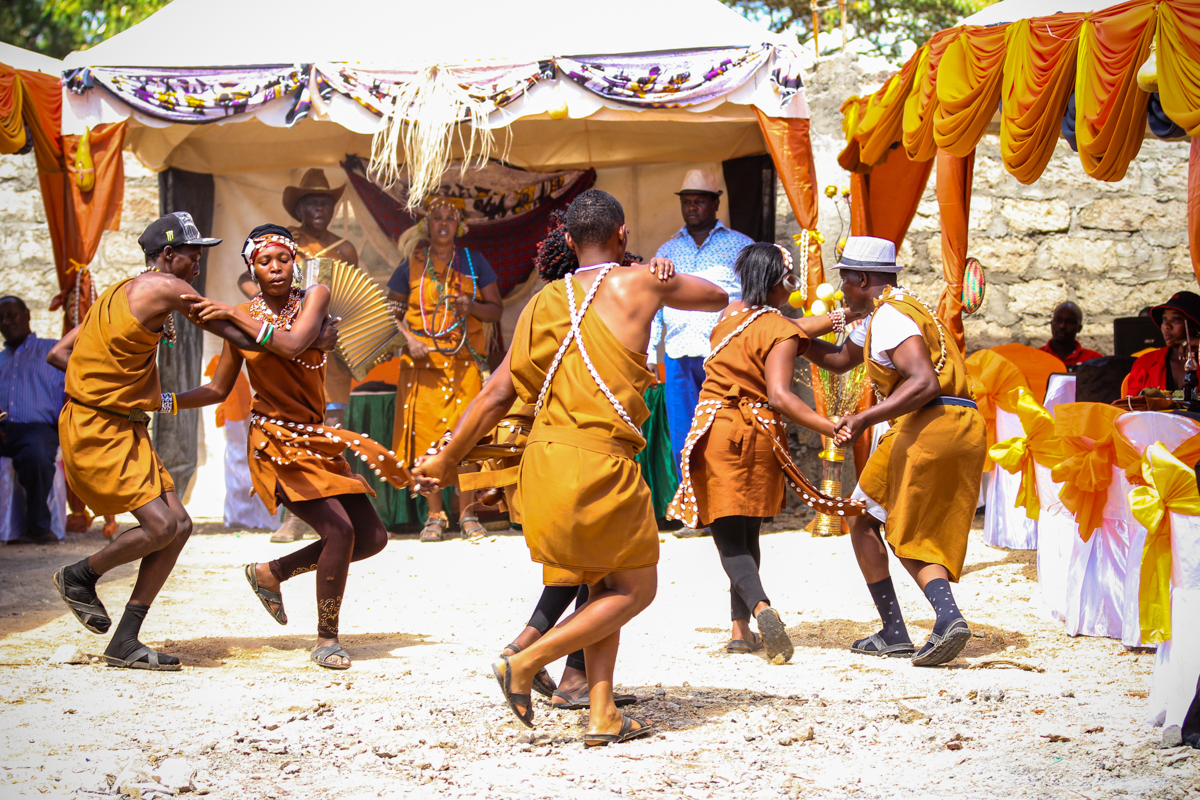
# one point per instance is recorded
(446, 292)
(734, 457)
(295, 460)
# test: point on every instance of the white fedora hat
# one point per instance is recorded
(699, 180)
(869, 254)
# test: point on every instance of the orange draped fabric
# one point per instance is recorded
(954, 175)
(791, 149)
(1036, 365)
(1039, 76)
(1110, 109)
(994, 383)
(1193, 207)
(12, 126)
(76, 218)
(1178, 61)
(921, 104)
(878, 121)
(1088, 435)
(888, 212)
(968, 88)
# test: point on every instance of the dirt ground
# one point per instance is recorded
(419, 714)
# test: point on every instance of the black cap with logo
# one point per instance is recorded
(174, 229)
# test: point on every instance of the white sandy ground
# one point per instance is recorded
(419, 715)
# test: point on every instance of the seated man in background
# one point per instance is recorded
(1179, 320)
(32, 394)
(1064, 327)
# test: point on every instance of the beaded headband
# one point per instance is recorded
(441, 200)
(252, 247)
(787, 258)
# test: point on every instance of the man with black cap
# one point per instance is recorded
(1179, 320)
(112, 383)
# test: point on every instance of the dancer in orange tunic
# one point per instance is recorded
(921, 483)
(294, 458)
(734, 457)
(112, 381)
(579, 356)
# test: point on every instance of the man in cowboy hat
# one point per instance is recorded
(313, 203)
(922, 481)
(703, 247)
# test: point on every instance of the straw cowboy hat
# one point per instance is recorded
(869, 254)
(699, 180)
(313, 182)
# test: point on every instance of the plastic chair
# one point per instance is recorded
(1005, 525)
(1036, 365)
(1142, 429)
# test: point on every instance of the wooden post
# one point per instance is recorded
(842, 10)
(812, 4)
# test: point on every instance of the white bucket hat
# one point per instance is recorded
(869, 254)
(699, 180)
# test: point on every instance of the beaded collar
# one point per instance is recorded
(284, 319)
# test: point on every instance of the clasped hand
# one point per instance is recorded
(848, 429)
(432, 473)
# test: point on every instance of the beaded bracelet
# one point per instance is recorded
(261, 331)
(167, 403)
(267, 338)
(838, 319)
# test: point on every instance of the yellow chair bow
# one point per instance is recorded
(1087, 432)
(1039, 445)
(1170, 488)
(993, 379)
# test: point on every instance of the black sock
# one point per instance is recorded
(884, 595)
(80, 575)
(576, 661)
(938, 593)
(125, 641)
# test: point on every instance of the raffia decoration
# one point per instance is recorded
(418, 136)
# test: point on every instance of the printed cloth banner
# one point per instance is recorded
(196, 96)
(671, 80)
(490, 87)
(506, 224)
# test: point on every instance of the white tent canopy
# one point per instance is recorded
(18, 58)
(340, 58)
(1013, 10)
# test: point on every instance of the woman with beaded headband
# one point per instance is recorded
(446, 293)
(735, 456)
(295, 460)
(921, 483)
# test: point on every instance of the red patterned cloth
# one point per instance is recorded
(509, 245)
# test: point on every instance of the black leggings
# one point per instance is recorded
(350, 530)
(736, 539)
(550, 608)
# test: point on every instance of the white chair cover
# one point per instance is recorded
(1060, 388)
(1142, 429)
(1056, 536)
(242, 509)
(1097, 575)
(1177, 663)
(1003, 524)
(12, 502)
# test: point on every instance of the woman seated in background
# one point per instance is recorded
(1179, 319)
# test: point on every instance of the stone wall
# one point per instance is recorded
(1113, 248)
(26, 255)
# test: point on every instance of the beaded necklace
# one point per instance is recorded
(260, 311)
(754, 312)
(442, 293)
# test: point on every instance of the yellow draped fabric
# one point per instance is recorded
(1129, 458)
(1039, 445)
(12, 126)
(994, 383)
(949, 88)
(1178, 57)
(1087, 432)
(1039, 76)
(968, 89)
(1170, 488)
(1110, 109)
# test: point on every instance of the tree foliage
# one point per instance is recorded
(56, 27)
(886, 24)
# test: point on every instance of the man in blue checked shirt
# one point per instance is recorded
(32, 394)
(703, 247)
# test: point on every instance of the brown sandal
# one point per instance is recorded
(435, 528)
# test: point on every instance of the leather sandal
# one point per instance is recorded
(435, 528)
(90, 613)
(504, 678)
(471, 528)
(266, 596)
(627, 732)
(945, 647)
(743, 646)
(543, 684)
(882, 648)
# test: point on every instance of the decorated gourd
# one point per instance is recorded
(973, 286)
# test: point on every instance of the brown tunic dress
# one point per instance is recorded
(289, 445)
(585, 509)
(729, 462)
(110, 461)
(926, 471)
